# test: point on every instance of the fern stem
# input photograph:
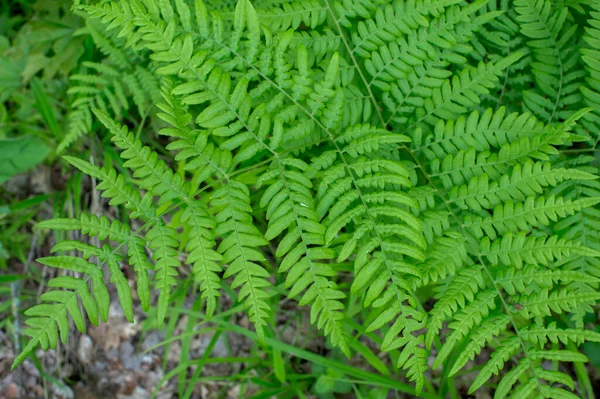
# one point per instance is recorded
(505, 83)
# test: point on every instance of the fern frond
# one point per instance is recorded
(519, 280)
(103, 228)
(386, 236)
(582, 225)
(544, 302)
(238, 248)
(379, 146)
(115, 54)
(153, 173)
(461, 166)
(79, 121)
(407, 320)
(529, 362)
(320, 44)
(114, 187)
(391, 22)
(463, 321)
(206, 262)
(507, 348)
(162, 240)
(591, 57)
(78, 265)
(344, 10)
(518, 249)
(461, 290)
(523, 216)
(120, 281)
(524, 180)
(554, 49)
(540, 335)
(445, 256)
(117, 15)
(480, 131)
(311, 13)
(511, 378)
(48, 321)
(462, 91)
(290, 208)
(489, 329)
(193, 146)
(434, 224)
(103, 85)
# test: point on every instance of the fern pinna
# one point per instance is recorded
(391, 139)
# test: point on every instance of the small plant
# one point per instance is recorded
(430, 162)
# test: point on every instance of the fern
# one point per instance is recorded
(290, 207)
(238, 250)
(107, 85)
(291, 15)
(555, 51)
(370, 152)
(591, 58)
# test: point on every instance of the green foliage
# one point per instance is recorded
(371, 152)
(20, 154)
(78, 62)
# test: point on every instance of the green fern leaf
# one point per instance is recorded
(205, 261)
(489, 329)
(162, 240)
(523, 181)
(290, 207)
(542, 334)
(518, 249)
(239, 251)
(455, 295)
(543, 302)
(465, 320)
(506, 349)
(523, 216)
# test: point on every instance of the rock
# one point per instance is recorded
(84, 351)
(482, 395)
(234, 392)
(17, 184)
(153, 338)
(41, 179)
(38, 391)
(116, 330)
(244, 322)
(130, 385)
(83, 390)
(126, 349)
(62, 392)
(30, 369)
(146, 362)
(11, 391)
(289, 334)
(152, 379)
(138, 393)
